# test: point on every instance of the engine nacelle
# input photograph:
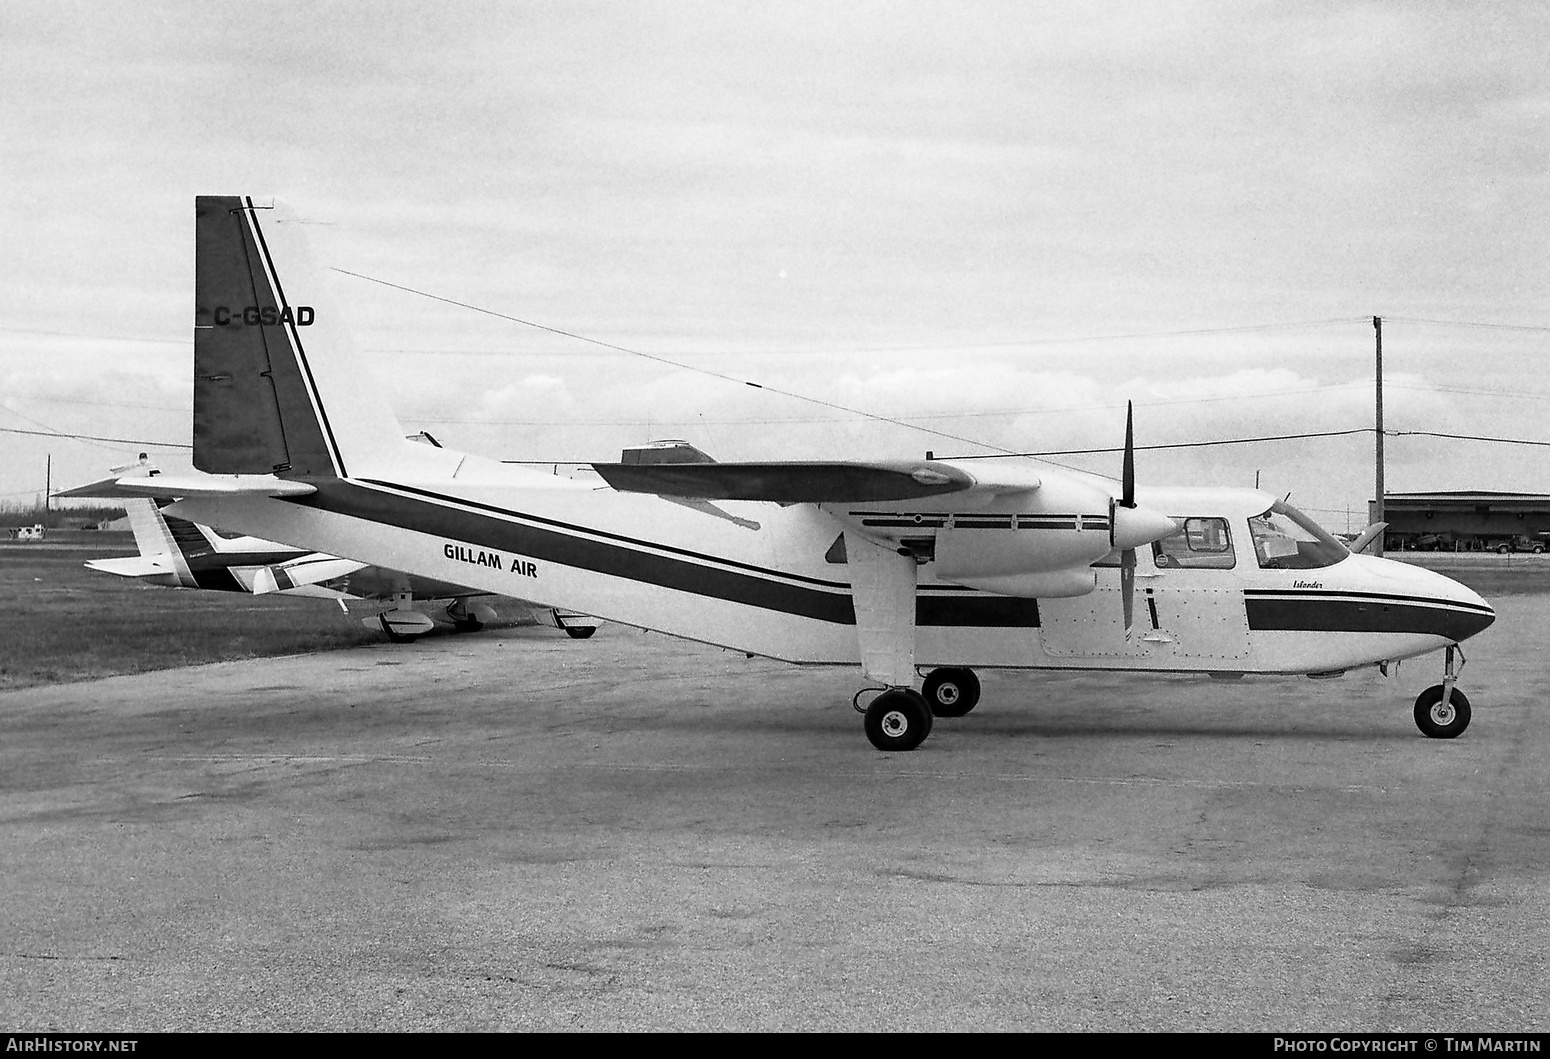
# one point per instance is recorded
(1027, 545)
(1052, 584)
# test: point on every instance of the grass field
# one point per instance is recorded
(61, 622)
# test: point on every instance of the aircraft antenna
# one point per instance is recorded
(683, 367)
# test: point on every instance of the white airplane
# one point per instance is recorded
(180, 554)
(936, 565)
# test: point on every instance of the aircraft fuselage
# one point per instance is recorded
(776, 590)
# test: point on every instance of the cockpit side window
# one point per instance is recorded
(1286, 539)
(1200, 544)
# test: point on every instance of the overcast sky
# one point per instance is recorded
(998, 221)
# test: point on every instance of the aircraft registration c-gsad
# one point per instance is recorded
(942, 565)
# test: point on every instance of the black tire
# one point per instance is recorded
(580, 632)
(898, 720)
(1502, 549)
(1438, 721)
(468, 625)
(951, 691)
(1538, 549)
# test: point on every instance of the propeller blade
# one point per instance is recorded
(1128, 474)
(1127, 558)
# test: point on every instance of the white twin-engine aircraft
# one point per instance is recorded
(935, 565)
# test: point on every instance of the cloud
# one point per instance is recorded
(933, 215)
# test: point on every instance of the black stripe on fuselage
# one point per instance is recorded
(217, 578)
(193, 544)
(1334, 611)
(601, 552)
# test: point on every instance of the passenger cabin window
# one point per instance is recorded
(1200, 544)
(1286, 539)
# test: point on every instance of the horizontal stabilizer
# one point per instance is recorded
(178, 487)
(788, 483)
(132, 566)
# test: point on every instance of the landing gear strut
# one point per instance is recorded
(1442, 711)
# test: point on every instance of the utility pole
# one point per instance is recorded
(48, 484)
(1377, 509)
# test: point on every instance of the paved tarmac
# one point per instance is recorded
(515, 830)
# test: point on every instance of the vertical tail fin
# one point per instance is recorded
(277, 386)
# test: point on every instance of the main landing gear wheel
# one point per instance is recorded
(1439, 719)
(951, 691)
(468, 625)
(580, 632)
(898, 719)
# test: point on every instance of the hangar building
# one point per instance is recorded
(1466, 520)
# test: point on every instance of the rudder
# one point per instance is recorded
(269, 346)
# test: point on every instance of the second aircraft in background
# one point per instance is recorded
(180, 554)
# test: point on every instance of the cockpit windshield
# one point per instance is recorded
(1286, 539)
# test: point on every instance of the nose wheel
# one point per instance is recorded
(1442, 716)
(1442, 710)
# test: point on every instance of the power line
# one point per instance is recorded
(988, 414)
(978, 456)
(1466, 323)
(94, 437)
(1467, 437)
(1000, 344)
(1528, 396)
(1270, 437)
(1174, 445)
